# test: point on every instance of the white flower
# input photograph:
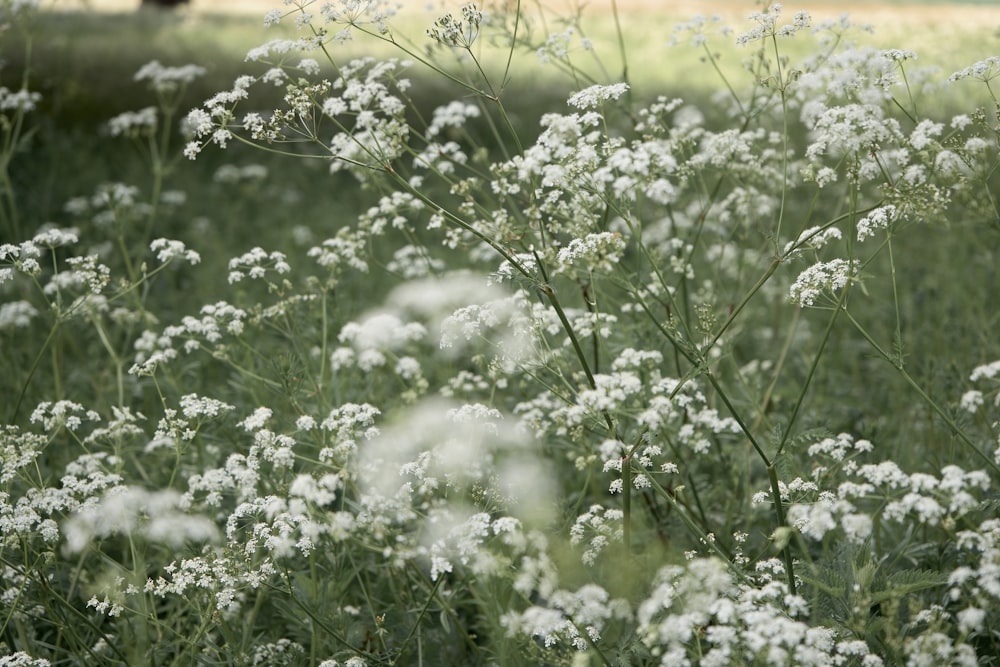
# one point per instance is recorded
(600, 252)
(971, 401)
(813, 237)
(256, 420)
(382, 331)
(133, 123)
(880, 218)
(984, 69)
(21, 100)
(153, 515)
(453, 114)
(925, 133)
(167, 250)
(819, 278)
(592, 97)
(16, 314)
(256, 263)
(971, 619)
(986, 371)
(168, 79)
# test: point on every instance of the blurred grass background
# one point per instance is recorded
(84, 54)
(86, 51)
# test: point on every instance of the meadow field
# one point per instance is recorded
(538, 333)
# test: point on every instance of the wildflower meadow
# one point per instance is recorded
(459, 340)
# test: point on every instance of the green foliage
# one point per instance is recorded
(425, 367)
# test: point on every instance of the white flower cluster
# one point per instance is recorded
(881, 488)
(460, 33)
(559, 45)
(880, 218)
(217, 320)
(168, 79)
(813, 238)
(594, 252)
(346, 249)
(572, 617)
(984, 70)
(347, 424)
(211, 122)
(600, 527)
(151, 515)
(134, 124)
(822, 278)
(353, 13)
(455, 114)
(701, 604)
(851, 129)
(592, 97)
(256, 263)
(168, 250)
(373, 341)
(21, 100)
(767, 25)
(17, 314)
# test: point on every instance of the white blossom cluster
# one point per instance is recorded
(737, 622)
(821, 279)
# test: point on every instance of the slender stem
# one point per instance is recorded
(692, 526)
(739, 420)
(812, 372)
(31, 372)
(909, 93)
(732, 92)
(775, 263)
(513, 45)
(312, 615)
(790, 333)
(779, 510)
(784, 167)
(955, 428)
(621, 40)
(115, 358)
(323, 342)
(898, 339)
(627, 503)
(420, 616)
(574, 341)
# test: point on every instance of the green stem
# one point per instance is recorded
(116, 360)
(779, 510)
(31, 372)
(955, 428)
(332, 632)
(739, 420)
(812, 372)
(775, 263)
(715, 65)
(697, 532)
(574, 341)
(420, 616)
(779, 366)
(627, 503)
(898, 340)
(621, 40)
(513, 45)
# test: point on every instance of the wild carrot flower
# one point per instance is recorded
(822, 277)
